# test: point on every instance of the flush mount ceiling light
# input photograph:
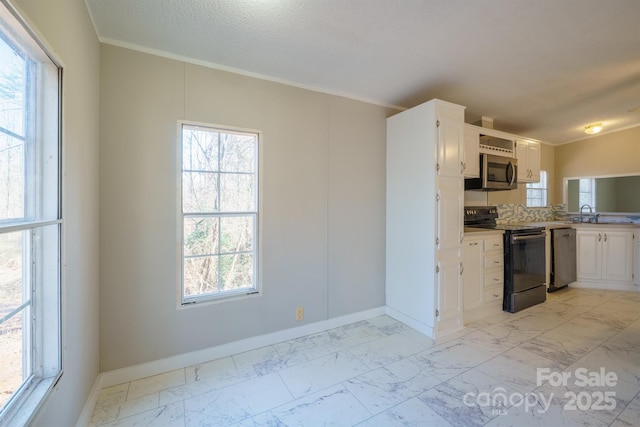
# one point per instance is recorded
(593, 129)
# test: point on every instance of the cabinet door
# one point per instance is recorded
(472, 273)
(471, 153)
(589, 248)
(450, 201)
(534, 161)
(449, 276)
(450, 140)
(617, 256)
(528, 155)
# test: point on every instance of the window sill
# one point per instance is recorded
(23, 411)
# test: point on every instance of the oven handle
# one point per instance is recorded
(528, 237)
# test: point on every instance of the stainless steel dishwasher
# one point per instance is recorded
(563, 258)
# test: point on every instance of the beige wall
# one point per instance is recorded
(66, 27)
(612, 154)
(323, 213)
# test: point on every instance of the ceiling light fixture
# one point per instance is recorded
(593, 129)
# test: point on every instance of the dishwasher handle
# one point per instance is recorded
(528, 237)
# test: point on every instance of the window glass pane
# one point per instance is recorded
(12, 90)
(12, 131)
(236, 233)
(199, 150)
(237, 192)
(12, 184)
(199, 192)
(236, 271)
(200, 275)
(238, 153)
(12, 285)
(13, 357)
(201, 236)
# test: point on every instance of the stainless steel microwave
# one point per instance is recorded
(496, 173)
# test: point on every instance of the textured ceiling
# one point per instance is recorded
(543, 68)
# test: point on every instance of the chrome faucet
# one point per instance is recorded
(582, 209)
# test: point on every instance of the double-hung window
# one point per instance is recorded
(587, 192)
(219, 205)
(537, 192)
(30, 221)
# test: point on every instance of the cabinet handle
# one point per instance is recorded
(461, 167)
(605, 237)
(496, 295)
(495, 279)
(496, 262)
(599, 237)
(473, 244)
(461, 269)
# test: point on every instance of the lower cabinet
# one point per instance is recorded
(483, 276)
(605, 256)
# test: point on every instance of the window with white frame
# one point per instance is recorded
(219, 221)
(537, 192)
(587, 192)
(30, 221)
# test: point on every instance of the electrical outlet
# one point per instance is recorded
(300, 313)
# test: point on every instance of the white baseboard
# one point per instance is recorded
(410, 321)
(607, 287)
(87, 410)
(143, 370)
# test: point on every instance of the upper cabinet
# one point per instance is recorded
(528, 155)
(471, 153)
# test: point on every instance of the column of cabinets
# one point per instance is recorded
(425, 198)
(528, 155)
(605, 256)
(483, 277)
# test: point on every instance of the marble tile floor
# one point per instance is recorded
(574, 360)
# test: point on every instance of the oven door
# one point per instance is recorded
(527, 261)
(498, 173)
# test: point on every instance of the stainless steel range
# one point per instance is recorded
(524, 258)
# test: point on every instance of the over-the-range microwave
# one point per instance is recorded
(496, 173)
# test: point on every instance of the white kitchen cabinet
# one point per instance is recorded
(471, 152)
(605, 256)
(425, 197)
(472, 274)
(483, 277)
(528, 155)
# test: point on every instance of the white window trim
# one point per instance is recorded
(210, 299)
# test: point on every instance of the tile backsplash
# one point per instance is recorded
(522, 213)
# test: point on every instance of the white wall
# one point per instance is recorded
(66, 27)
(323, 190)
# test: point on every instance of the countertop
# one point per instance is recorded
(481, 232)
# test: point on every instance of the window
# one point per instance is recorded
(587, 192)
(30, 221)
(219, 183)
(537, 192)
